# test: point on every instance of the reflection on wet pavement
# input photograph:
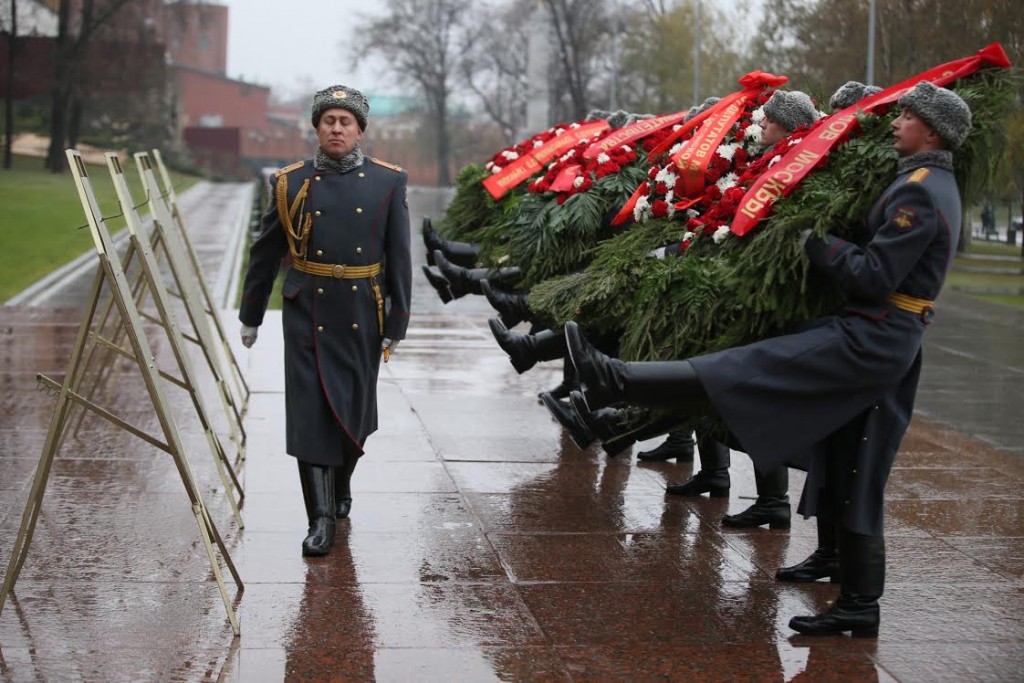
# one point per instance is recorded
(482, 545)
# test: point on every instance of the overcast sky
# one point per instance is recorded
(296, 45)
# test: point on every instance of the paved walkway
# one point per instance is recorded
(484, 546)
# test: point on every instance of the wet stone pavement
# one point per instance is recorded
(483, 545)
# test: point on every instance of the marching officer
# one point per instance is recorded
(343, 219)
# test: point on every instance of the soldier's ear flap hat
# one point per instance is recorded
(790, 109)
(340, 97)
(703, 106)
(850, 93)
(942, 109)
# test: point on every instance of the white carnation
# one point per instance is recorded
(603, 158)
(691, 213)
(754, 134)
(511, 156)
(757, 116)
(728, 151)
(495, 168)
(537, 143)
(577, 182)
(688, 236)
(665, 175)
(775, 160)
(642, 209)
(727, 181)
(721, 234)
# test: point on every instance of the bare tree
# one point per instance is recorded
(69, 52)
(580, 26)
(12, 52)
(496, 69)
(425, 42)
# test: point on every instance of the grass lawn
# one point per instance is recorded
(43, 225)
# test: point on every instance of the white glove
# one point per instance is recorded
(249, 336)
(658, 253)
(387, 347)
(805, 234)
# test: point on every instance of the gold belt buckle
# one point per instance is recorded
(338, 271)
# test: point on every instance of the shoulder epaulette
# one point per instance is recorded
(393, 167)
(288, 169)
(919, 175)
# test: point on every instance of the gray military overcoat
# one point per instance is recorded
(332, 333)
(784, 397)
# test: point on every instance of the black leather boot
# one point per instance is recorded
(771, 506)
(713, 477)
(567, 384)
(822, 563)
(343, 486)
(621, 429)
(318, 494)
(463, 281)
(567, 417)
(861, 582)
(678, 445)
(526, 350)
(460, 253)
(439, 284)
(512, 308)
(604, 380)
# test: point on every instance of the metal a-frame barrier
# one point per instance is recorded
(111, 273)
(170, 198)
(168, 238)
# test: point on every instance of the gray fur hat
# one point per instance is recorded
(618, 119)
(850, 93)
(790, 109)
(703, 107)
(942, 109)
(597, 115)
(340, 97)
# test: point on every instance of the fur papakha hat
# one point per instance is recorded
(850, 93)
(702, 107)
(340, 97)
(790, 109)
(942, 109)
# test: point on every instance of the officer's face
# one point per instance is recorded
(338, 132)
(912, 135)
(773, 132)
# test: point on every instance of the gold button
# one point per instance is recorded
(359, 250)
(355, 326)
(317, 178)
(864, 439)
(846, 502)
(355, 288)
(320, 328)
(362, 175)
(320, 290)
(319, 252)
(359, 210)
(317, 213)
(855, 471)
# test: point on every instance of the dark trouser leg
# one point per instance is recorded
(678, 445)
(318, 494)
(771, 506)
(343, 486)
(526, 350)
(713, 476)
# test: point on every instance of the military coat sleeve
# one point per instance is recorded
(398, 262)
(265, 256)
(908, 224)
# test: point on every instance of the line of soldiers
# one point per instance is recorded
(833, 397)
